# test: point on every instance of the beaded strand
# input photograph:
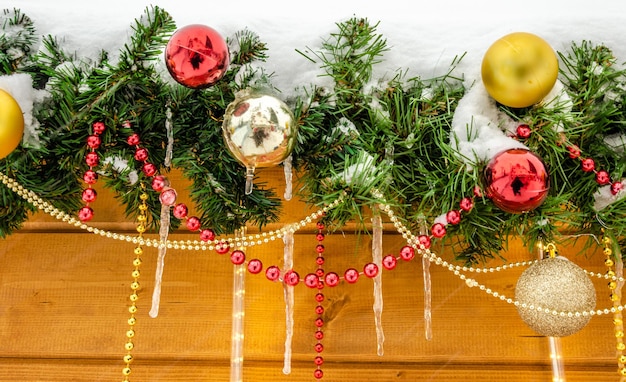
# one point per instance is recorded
(134, 286)
(90, 177)
(615, 297)
(273, 272)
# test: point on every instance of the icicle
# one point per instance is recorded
(288, 177)
(289, 299)
(165, 221)
(377, 258)
(239, 293)
(170, 137)
(163, 232)
(556, 356)
(249, 180)
(428, 294)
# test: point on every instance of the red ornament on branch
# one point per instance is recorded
(197, 56)
(516, 180)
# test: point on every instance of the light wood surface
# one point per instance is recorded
(64, 299)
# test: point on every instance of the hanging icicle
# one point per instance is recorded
(287, 168)
(288, 240)
(164, 226)
(377, 258)
(163, 233)
(428, 294)
(239, 294)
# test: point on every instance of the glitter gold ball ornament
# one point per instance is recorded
(519, 69)
(555, 284)
(516, 180)
(197, 56)
(11, 124)
(259, 130)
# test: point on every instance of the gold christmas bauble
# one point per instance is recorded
(11, 124)
(259, 129)
(519, 69)
(556, 285)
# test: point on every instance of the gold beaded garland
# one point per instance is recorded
(615, 297)
(134, 286)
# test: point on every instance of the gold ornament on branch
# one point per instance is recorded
(259, 130)
(552, 285)
(11, 124)
(519, 69)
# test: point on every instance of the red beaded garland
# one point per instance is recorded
(291, 277)
(222, 247)
(85, 213)
(193, 223)
(141, 154)
(603, 178)
(255, 266)
(92, 159)
(311, 280)
(98, 127)
(390, 262)
(407, 253)
(453, 217)
(168, 196)
(616, 188)
(332, 279)
(159, 182)
(207, 235)
(238, 257)
(574, 151)
(89, 195)
(90, 177)
(149, 169)
(466, 204)
(438, 230)
(588, 165)
(318, 374)
(94, 141)
(370, 270)
(424, 241)
(351, 275)
(272, 273)
(180, 211)
(523, 131)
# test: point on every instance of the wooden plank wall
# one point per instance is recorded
(64, 299)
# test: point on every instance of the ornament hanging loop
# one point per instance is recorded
(551, 248)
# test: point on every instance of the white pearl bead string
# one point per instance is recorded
(262, 238)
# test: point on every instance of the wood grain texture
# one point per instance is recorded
(64, 298)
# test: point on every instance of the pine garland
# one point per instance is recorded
(393, 136)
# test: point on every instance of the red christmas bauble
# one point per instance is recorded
(516, 180)
(197, 56)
